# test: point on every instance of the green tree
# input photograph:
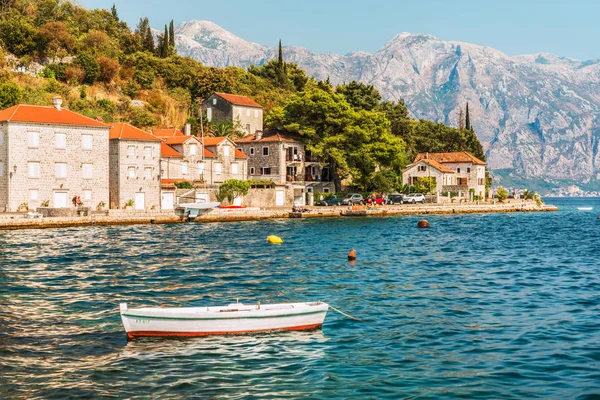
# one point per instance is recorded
(10, 95)
(232, 189)
(359, 95)
(90, 67)
(141, 118)
(113, 12)
(501, 194)
(467, 119)
(172, 35)
(425, 185)
(18, 36)
(55, 39)
(287, 76)
(145, 33)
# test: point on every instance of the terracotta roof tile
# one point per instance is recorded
(47, 115)
(213, 141)
(239, 154)
(168, 151)
(208, 153)
(438, 166)
(278, 137)
(238, 100)
(167, 132)
(455, 157)
(177, 139)
(124, 131)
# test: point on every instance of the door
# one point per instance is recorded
(167, 201)
(140, 201)
(279, 198)
(237, 201)
(60, 199)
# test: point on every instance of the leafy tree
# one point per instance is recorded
(501, 194)
(18, 36)
(90, 67)
(10, 95)
(55, 39)
(108, 69)
(359, 95)
(145, 33)
(73, 74)
(97, 42)
(282, 75)
(425, 185)
(232, 189)
(141, 118)
(113, 11)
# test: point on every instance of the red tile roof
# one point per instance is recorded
(239, 154)
(278, 137)
(213, 141)
(47, 115)
(177, 139)
(238, 100)
(124, 131)
(437, 166)
(168, 151)
(455, 157)
(167, 132)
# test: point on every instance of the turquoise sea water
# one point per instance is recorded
(478, 306)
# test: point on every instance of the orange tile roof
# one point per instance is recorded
(239, 154)
(167, 132)
(47, 115)
(213, 141)
(177, 139)
(437, 166)
(124, 131)
(208, 153)
(167, 181)
(455, 157)
(278, 137)
(168, 151)
(238, 100)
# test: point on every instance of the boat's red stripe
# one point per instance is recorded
(135, 334)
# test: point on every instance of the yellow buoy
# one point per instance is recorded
(274, 239)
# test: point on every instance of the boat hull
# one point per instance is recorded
(187, 322)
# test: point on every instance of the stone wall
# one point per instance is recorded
(148, 184)
(250, 118)
(275, 160)
(19, 154)
(4, 167)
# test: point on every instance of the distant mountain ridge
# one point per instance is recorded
(537, 115)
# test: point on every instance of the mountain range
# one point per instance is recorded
(536, 115)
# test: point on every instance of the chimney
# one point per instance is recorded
(187, 130)
(427, 155)
(258, 135)
(57, 102)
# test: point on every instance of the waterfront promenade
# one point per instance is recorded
(10, 221)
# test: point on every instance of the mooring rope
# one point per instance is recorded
(344, 314)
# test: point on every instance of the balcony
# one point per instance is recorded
(291, 158)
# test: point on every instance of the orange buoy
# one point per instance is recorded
(352, 255)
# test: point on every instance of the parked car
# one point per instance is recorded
(331, 201)
(395, 198)
(377, 199)
(414, 198)
(354, 198)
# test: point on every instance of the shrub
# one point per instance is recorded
(108, 69)
(144, 78)
(141, 118)
(131, 89)
(184, 185)
(45, 203)
(73, 75)
(129, 203)
(501, 194)
(90, 66)
(10, 94)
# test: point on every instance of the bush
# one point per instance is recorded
(56, 71)
(90, 66)
(501, 194)
(142, 118)
(108, 69)
(18, 36)
(10, 95)
(144, 78)
(73, 75)
(231, 189)
(184, 185)
(131, 89)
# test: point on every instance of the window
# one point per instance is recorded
(201, 168)
(33, 194)
(266, 171)
(255, 113)
(33, 169)
(458, 170)
(60, 170)
(87, 171)
(251, 170)
(1, 169)
(33, 139)
(131, 172)
(226, 151)
(130, 151)
(184, 168)
(247, 113)
(468, 170)
(214, 102)
(265, 151)
(251, 151)
(234, 169)
(60, 140)
(148, 173)
(147, 152)
(209, 114)
(326, 190)
(87, 195)
(193, 149)
(421, 168)
(248, 128)
(1, 138)
(218, 168)
(86, 142)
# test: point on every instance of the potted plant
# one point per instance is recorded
(100, 206)
(23, 207)
(45, 203)
(129, 204)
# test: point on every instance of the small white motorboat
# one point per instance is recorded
(192, 210)
(235, 318)
(585, 208)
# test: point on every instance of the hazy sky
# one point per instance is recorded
(566, 28)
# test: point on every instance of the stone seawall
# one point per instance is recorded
(18, 221)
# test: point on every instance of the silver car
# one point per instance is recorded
(414, 198)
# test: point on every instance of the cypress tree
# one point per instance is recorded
(148, 39)
(280, 59)
(467, 119)
(113, 11)
(172, 34)
(164, 48)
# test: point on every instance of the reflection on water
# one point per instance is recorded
(478, 306)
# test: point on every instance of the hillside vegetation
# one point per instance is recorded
(103, 68)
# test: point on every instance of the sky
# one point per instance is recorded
(565, 28)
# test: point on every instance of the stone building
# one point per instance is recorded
(229, 162)
(283, 158)
(242, 112)
(134, 168)
(458, 172)
(49, 155)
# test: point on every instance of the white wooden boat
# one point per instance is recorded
(585, 208)
(235, 318)
(192, 210)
